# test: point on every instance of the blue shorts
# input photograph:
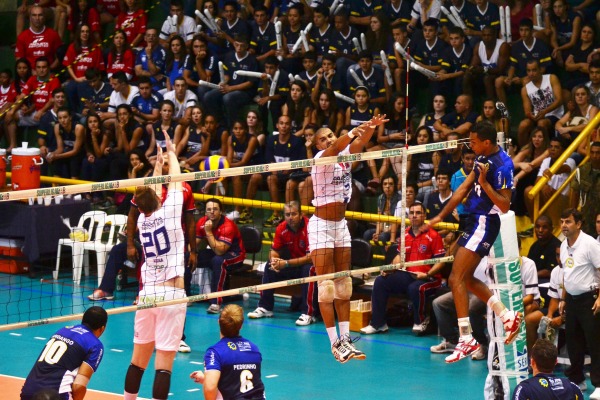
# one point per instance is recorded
(480, 233)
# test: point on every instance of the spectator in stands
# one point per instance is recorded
(83, 54)
(46, 140)
(594, 83)
(70, 146)
(38, 41)
(95, 165)
(123, 93)
(544, 383)
(150, 61)
(289, 259)
(109, 10)
(82, 13)
(262, 38)
(428, 53)
(398, 12)
(256, 128)
(94, 94)
(128, 136)
(327, 77)
(200, 65)
(378, 38)
(361, 13)
(8, 96)
(326, 112)
(341, 44)
(231, 27)
(220, 248)
(417, 282)
(436, 200)
(451, 158)
(386, 204)
(237, 91)
(566, 29)
(183, 99)
(422, 167)
(543, 250)
(322, 32)
(490, 60)
(310, 67)
(468, 162)
(439, 110)
(586, 190)
(445, 315)
(162, 128)
(145, 104)
(191, 140)
(460, 120)
(466, 11)
(369, 77)
(493, 115)
(133, 21)
(576, 60)
(570, 125)
(184, 27)
(120, 57)
(527, 162)
(423, 11)
(175, 61)
(270, 101)
(297, 107)
(542, 101)
(455, 61)
(528, 48)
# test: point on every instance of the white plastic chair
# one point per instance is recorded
(93, 222)
(118, 223)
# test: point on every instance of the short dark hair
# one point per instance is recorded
(545, 354)
(526, 22)
(261, 7)
(310, 55)
(7, 72)
(485, 131)
(120, 77)
(595, 63)
(95, 318)
(432, 22)
(298, 8)
(144, 79)
(92, 73)
(58, 90)
(272, 60)
(545, 218)
(577, 215)
(43, 59)
(329, 57)
(560, 140)
(455, 30)
(177, 3)
(323, 10)
(215, 200)
(233, 4)
(444, 172)
(365, 54)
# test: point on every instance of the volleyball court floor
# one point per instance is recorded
(297, 362)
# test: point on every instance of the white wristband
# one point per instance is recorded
(351, 135)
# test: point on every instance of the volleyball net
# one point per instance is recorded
(60, 292)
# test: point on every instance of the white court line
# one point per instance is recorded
(39, 338)
(15, 334)
(117, 350)
(193, 390)
(271, 376)
(196, 363)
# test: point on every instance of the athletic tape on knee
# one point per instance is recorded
(162, 383)
(326, 290)
(133, 379)
(342, 288)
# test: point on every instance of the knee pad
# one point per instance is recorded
(133, 379)
(326, 290)
(342, 289)
(162, 383)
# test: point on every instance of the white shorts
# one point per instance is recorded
(325, 234)
(162, 325)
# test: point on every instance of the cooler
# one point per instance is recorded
(26, 166)
(10, 249)
(2, 168)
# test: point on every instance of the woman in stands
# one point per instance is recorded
(423, 166)
(133, 20)
(439, 110)
(83, 14)
(120, 57)
(566, 28)
(190, 143)
(492, 114)
(327, 114)
(298, 107)
(165, 125)
(174, 63)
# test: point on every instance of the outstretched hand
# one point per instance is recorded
(159, 156)
(378, 120)
(170, 145)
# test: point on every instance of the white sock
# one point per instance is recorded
(464, 329)
(344, 327)
(497, 307)
(332, 333)
(129, 396)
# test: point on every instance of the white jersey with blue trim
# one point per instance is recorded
(499, 176)
(163, 241)
(332, 183)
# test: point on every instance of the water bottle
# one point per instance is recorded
(119, 285)
(105, 233)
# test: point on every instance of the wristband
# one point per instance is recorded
(351, 135)
(287, 264)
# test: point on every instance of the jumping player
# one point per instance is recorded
(487, 190)
(328, 235)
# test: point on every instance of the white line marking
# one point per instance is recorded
(117, 350)
(15, 334)
(196, 363)
(271, 376)
(39, 338)
(193, 390)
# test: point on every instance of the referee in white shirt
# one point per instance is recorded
(580, 257)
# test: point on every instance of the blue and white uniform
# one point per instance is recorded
(483, 222)
(58, 364)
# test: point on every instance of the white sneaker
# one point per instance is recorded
(595, 395)
(582, 386)
(305, 319)
(233, 215)
(260, 313)
(369, 329)
(184, 348)
(479, 354)
(443, 347)
(463, 349)
(213, 309)
(343, 349)
(419, 329)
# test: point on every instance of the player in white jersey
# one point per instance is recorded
(162, 239)
(328, 235)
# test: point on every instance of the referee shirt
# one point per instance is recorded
(580, 263)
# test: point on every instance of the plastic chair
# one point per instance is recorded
(361, 256)
(93, 221)
(252, 243)
(118, 223)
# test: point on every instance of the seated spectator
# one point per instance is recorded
(262, 36)
(116, 262)
(310, 67)
(233, 25)
(451, 159)
(439, 110)
(422, 12)
(220, 248)
(576, 59)
(566, 29)
(594, 83)
(369, 77)
(378, 38)
(460, 120)
(150, 61)
(145, 105)
(120, 57)
(297, 107)
(192, 143)
(289, 259)
(386, 205)
(468, 162)
(417, 282)
(586, 191)
(491, 114)
(361, 13)
(427, 53)
(175, 61)
(542, 101)
(46, 140)
(133, 21)
(8, 96)
(422, 167)
(83, 13)
(326, 112)
(543, 250)
(70, 146)
(436, 200)
(528, 48)
(237, 91)
(185, 26)
(491, 58)
(183, 99)
(343, 49)
(322, 31)
(200, 64)
(161, 129)
(123, 93)
(93, 94)
(400, 35)
(95, 164)
(576, 119)
(271, 103)
(128, 136)
(455, 60)
(38, 41)
(544, 384)
(445, 315)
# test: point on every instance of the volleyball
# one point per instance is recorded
(214, 163)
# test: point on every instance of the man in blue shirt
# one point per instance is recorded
(70, 358)
(544, 384)
(487, 190)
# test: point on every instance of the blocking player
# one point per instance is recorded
(487, 190)
(70, 358)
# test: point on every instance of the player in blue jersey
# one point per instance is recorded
(233, 364)
(69, 359)
(487, 190)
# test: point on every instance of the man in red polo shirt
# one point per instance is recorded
(38, 40)
(417, 282)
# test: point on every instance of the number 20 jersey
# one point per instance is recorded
(163, 241)
(499, 176)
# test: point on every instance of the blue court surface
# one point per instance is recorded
(297, 362)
